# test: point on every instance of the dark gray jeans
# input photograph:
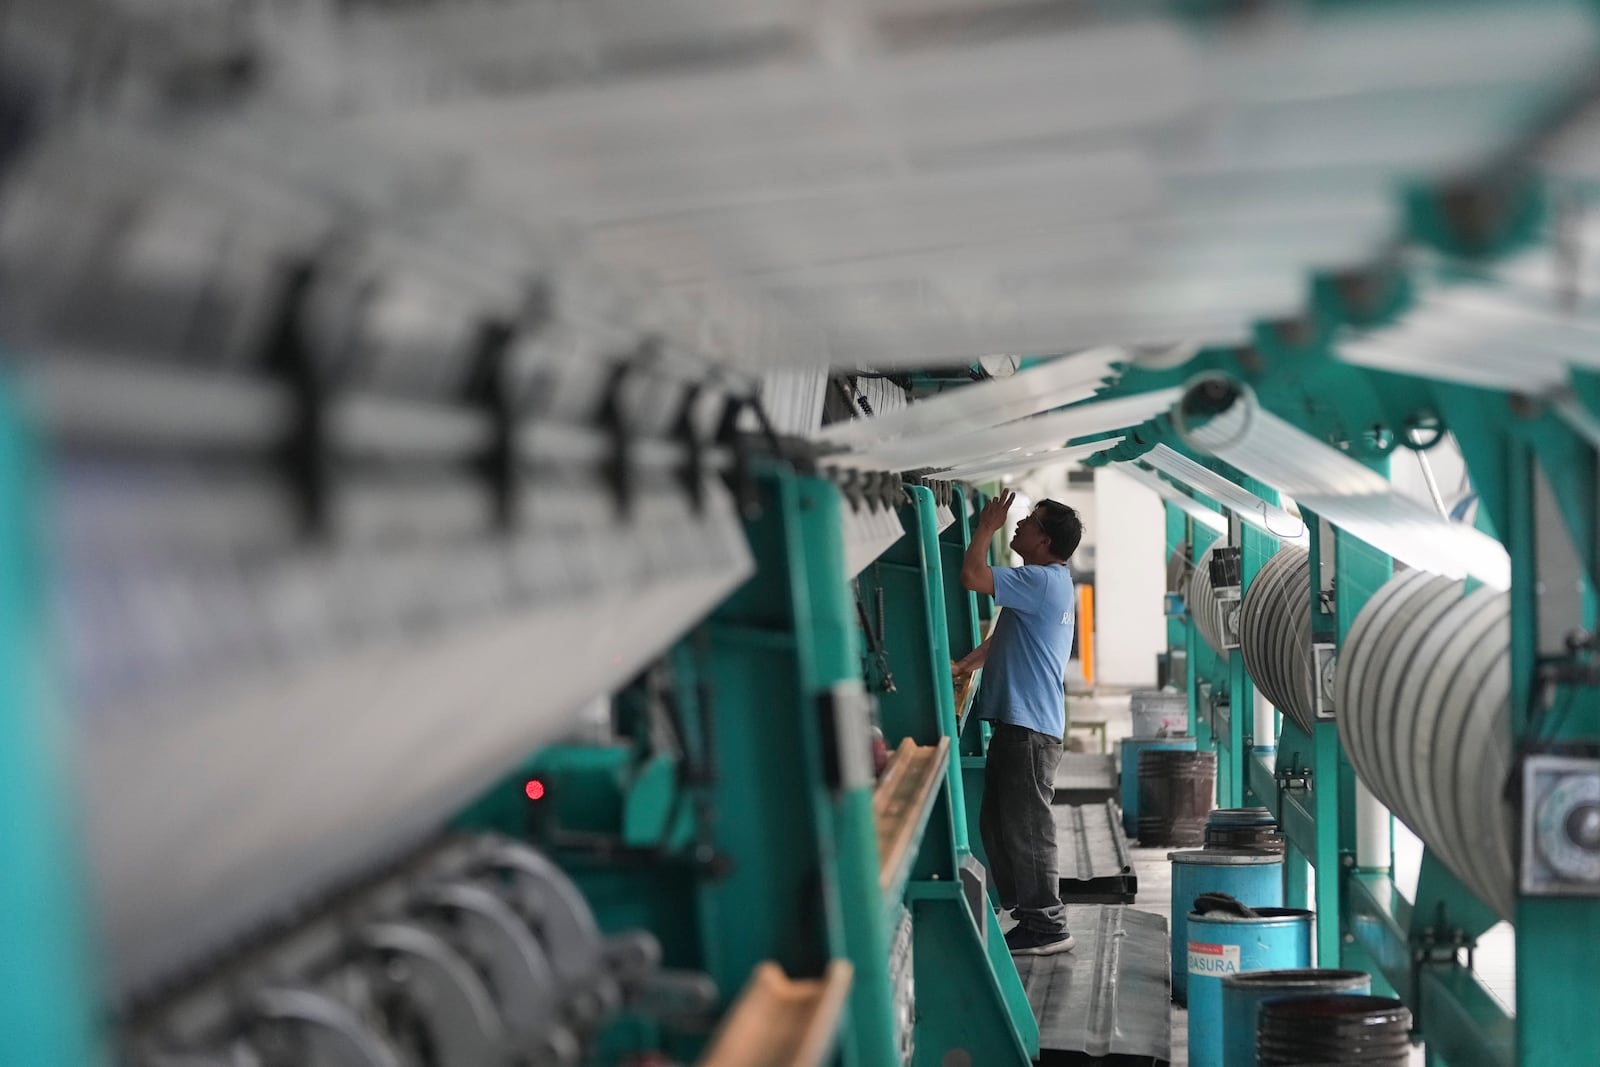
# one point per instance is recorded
(1019, 831)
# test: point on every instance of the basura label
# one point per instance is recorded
(1213, 959)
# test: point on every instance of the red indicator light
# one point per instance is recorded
(534, 789)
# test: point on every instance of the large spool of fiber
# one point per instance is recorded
(1201, 602)
(1424, 692)
(1275, 634)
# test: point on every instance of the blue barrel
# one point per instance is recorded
(1243, 995)
(1254, 879)
(1129, 780)
(1222, 945)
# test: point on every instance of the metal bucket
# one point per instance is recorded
(1254, 879)
(1175, 796)
(1222, 945)
(1159, 712)
(1243, 995)
(1128, 783)
(1243, 828)
(1371, 1031)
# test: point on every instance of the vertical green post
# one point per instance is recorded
(966, 614)
(804, 880)
(1332, 808)
(1556, 937)
(938, 631)
(917, 640)
(1177, 538)
(1256, 547)
(1203, 662)
(49, 1001)
(1230, 746)
(835, 661)
(961, 603)
(1359, 571)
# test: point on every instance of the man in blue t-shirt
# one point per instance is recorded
(1023, 692)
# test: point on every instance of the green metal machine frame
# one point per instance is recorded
(45, 961)
(1536, 476)
(773, 854)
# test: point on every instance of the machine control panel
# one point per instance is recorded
(1561, 826)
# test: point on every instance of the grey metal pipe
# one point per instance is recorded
(1374, 840)
(1265, 726)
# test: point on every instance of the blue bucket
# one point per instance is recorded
(1222, 945)
(1243, 995)
(1129, 778)
(1254, 879)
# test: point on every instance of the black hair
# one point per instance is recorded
(1062, 526)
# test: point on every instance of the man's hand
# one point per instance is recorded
(975, 572)
(971, 661)
(993, 516)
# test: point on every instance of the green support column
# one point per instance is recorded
(1360, 571)
(1230, 745)
(1256, 548)
(969, 998)
(917, 640)
(1334, 812)
(1177, 538)
(1191, 644)
(1204, 664)
(1556, 937)
(1556, 998)
(803, 878)
(1332, 799)
(961, 1005)
(961, 604)
(49, 1013)
(964, 609)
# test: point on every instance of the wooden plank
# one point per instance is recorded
(780, 1022)
(901, 801)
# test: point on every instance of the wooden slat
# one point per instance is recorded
(780, 1022)
(901, 799)
(965, 686)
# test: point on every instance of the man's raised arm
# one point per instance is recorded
(976, 574)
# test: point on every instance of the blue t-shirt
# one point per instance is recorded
(1025, 672)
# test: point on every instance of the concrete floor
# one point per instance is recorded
(1496, 955)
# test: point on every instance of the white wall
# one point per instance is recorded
(1130, 578)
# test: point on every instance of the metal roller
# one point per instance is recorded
(1352, 662)
(1413, 610)
(1275, 634)
(1423, 688)
(476, 951)
(1201, 600)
